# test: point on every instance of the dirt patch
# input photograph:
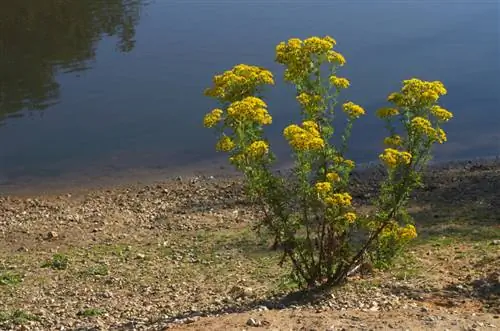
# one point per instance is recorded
(182, 254)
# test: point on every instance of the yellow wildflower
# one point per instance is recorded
(349, 163)
(335, 57)
(352, 109)
(309, 102)
(441, 113)
(241, 81)
(250, 109)
(257, 149)
(212, 118)
(225, 144)
(317, 45)
(333, 177)
(392, 157)
(305, 138)
(387, 112)
(416, 92)
(323, 187)
(339, 199)
(393, 140)
(350, 217)
(441, 136)
(423, 126)
(408, 232)
(339, 82)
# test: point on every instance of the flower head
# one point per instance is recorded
(250, 109)
(323, 187)
(339, 199)
(257, 149)
(339, 82)
(441, 113)
(212, 118)
(353, 110)
(333, 177)
(304, 138)
(392, 157)
(393, 140)
(350, 217)
(387, 112)
(225, 144)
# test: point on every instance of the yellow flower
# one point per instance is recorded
(387, 112)
(212, 118)
(257, 149)
(339, 82)
(323, 187)
(237, 158)
(225, 144)
(339, 199)
(408, 232)
(392, 157)
(441, 136)
(304, 139)
(317, 45)
(349, 163)
(423, 126)
(241, 81)
(418, 93)
(352, 109)
(333, 177)
(350, 217)
(250, 109)
(393, 140)
(309, 102)
(335, 57)
(441, 113)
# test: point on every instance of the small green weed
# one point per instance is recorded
(90, 312)
(58, 262)
(17, 317)
(9, 278)
(97, 270)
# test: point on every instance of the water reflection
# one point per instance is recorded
(41, 38)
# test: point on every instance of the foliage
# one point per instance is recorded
(310, 212)
(58, 262)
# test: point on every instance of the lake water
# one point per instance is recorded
(91, 87)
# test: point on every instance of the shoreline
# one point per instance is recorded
(209, 170)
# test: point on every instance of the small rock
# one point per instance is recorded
(496, 242)
(254, 322)
(22, 249)
(140, 256)
(52, 235)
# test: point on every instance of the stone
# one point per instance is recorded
(52, 235)
(254, 322)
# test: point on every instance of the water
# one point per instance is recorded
(91, 87)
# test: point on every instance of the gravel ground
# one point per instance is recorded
(181, 254)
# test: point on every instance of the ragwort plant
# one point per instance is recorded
(310, 213)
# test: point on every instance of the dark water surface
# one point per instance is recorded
(92, 87)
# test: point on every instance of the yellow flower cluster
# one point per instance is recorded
(387, 112)
(423, 126)
(297, 55)
(339, 199)
(407, 232)
(250, 109)
(333, 177)
(416, 92)
(393, 140)
(310, 102)
(335, 57)
(341, 160)
(441, 113)
(339, 82)
(441, 136)
(239, 82)
(306, 138)
(323, 188)
(225, 144)
(350, 217)
(257, 149)
(353, 110)
(211, 119)
(392, 157)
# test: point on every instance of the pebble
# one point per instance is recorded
(254, 322)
